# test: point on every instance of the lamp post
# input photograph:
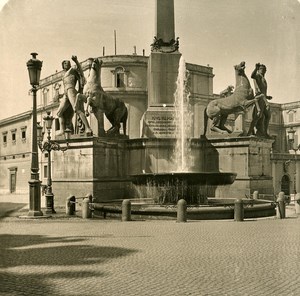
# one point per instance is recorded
(291, 139)
(48, 146)
(34, 67)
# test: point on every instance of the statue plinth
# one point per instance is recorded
(158, 120)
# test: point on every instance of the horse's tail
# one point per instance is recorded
(205, 122)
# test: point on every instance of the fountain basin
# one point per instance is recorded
(189, 178)
(216, 209)
(168, 188)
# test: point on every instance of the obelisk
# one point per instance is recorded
(165, 28)
(162, 74)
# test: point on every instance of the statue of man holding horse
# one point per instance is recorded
(73, 100)
(260, 120)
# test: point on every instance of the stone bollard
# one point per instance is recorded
(90, 197)
(181, 211)
(86, 211)
(255, 195)
(126, 210)
(238, 210)
(297, 203)
(71, 205)
(281, 206)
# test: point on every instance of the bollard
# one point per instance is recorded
(255, 195)
(91, 200)
(281, 206)
(297, 203)
(90, 197)
(126, 210)
(70, 205)
(86, 211)
(181, 211)
(238, 210)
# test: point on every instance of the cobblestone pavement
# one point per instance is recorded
(71, 256)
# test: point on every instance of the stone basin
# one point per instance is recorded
(168, 188)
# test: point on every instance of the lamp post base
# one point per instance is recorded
(34, 198)
(35, 215)
(50, 203)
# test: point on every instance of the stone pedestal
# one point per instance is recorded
(102, 167)
(158, 119)
(90, 166)
(249, 157)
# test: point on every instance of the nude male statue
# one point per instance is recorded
(72, 96)
(261, 119)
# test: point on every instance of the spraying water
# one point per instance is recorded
(183, 119)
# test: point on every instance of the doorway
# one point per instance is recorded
(12, 179)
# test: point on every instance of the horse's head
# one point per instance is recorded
(96, 64)
(240, 68)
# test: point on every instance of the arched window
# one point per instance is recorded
(120, 77)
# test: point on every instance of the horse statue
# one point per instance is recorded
(101, 102)
(242, 98)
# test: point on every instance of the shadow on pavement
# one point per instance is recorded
(8, 208)
(28, 251)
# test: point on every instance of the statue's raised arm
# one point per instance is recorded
(82, 79)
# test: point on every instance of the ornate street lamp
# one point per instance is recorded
(34, 67)
(48, 146)
(291, 139)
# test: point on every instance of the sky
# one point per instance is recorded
(219, 33)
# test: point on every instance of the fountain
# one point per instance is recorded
(168, 161)
(182, 183)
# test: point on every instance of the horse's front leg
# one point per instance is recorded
(87, 113)
(100, 120)
(89, 105)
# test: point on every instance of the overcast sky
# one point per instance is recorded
(220, 33)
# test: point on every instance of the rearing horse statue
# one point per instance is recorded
(101, 102)
(242, 98)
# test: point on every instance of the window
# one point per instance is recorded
(45, 171)
(45, 96)
(23, 133)
(57, 95)
(274, 117)
(291, 116)
(13, 135)
(56, 124)
(120, 80)
(4, 137)
(120, 77)
(275, 145)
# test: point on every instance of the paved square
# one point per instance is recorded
(71, 256)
